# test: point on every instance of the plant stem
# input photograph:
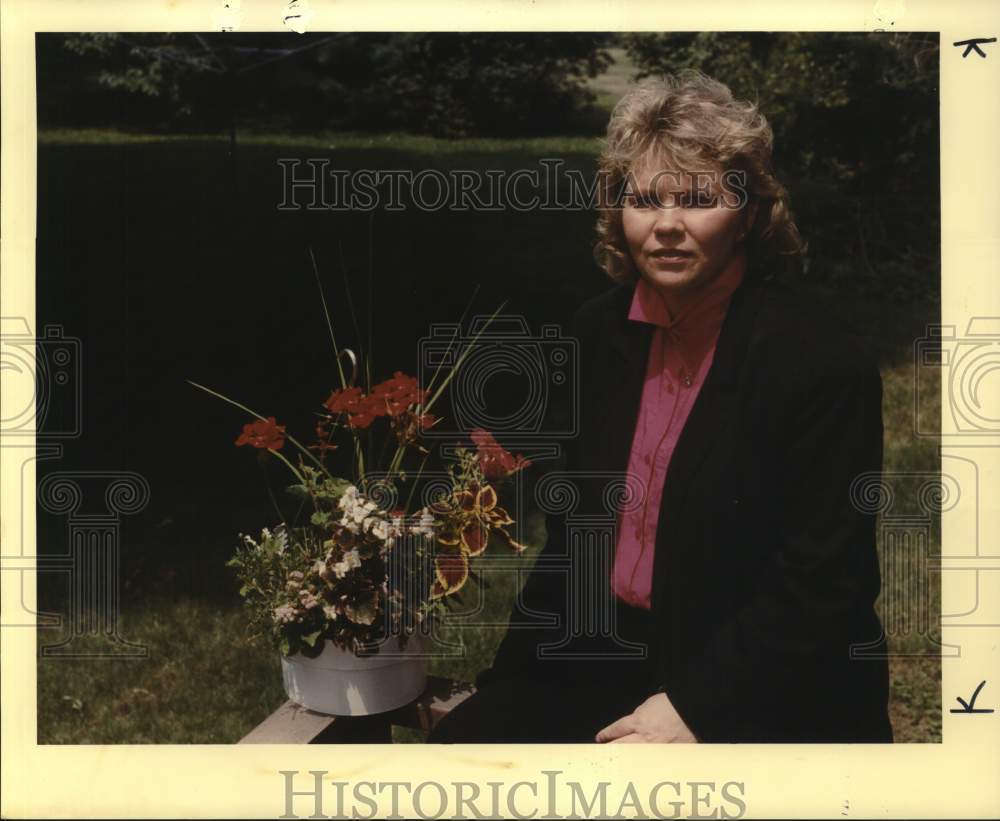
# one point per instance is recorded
(461, 321)
(326, 313)
(458, 363)
(291, 467)
(244, 408)
(409, 498)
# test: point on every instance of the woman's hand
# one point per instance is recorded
(655, 721)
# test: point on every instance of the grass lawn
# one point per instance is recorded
(203, 682)
(115, 261)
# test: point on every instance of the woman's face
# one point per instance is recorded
(681, 229)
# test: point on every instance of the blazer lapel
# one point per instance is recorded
(618, 393)
(627, 356)
(713, 408)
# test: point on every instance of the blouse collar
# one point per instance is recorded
(700, 317)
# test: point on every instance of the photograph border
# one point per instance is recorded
(955, 778)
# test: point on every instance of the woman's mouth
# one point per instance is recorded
(671, 255)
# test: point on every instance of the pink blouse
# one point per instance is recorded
(680, 356)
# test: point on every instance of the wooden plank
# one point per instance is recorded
(375, 729)
(294, 724)
(440, 698)
(289, 724)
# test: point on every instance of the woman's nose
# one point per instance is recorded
(668, 220)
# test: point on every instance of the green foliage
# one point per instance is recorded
(161, 66)
(263, 569)
(454, 85)
(444, 83)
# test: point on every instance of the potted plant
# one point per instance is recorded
(346, 590)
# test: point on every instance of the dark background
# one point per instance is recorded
(161, 248)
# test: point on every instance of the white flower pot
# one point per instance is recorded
(339, 683)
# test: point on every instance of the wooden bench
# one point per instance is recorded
(294, 724)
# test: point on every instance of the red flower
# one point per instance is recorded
(360, 421)
(346, 400)
(263, 433)
(361, 410)
(399, 393)
(495, 462)
(394, 398)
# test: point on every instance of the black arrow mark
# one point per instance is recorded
(970, 706)
(973, 45)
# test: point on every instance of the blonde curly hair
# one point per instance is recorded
(692, 122)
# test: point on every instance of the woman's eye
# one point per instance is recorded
(640, 201)
(692, 199)
(680, 200)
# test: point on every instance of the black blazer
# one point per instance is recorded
(765, 571)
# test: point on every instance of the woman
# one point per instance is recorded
(743, 578)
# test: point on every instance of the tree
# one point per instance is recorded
(447, 84)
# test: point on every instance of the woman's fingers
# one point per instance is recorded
(631, 738)
(616, 729)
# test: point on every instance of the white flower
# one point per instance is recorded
(308, 600)
(426, 524)
(284, 614)
(248, 541)
(330, 612)
(318, 566)
(349, 498)
(362, 511)
(380, 529)
(351, 560)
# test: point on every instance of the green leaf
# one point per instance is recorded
(299, 492)
(320, 518)
(313, 637)
(335, 487)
